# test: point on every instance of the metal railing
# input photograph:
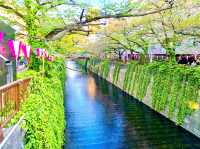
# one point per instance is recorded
(11, 97)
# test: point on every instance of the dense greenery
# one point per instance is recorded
(174, 88)
(143, 24)
(80, 25)
(44, 109)
(116, 73)
(104, 68)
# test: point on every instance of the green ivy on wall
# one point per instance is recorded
(136, 80)
(126, 78)
(116, 73)
(143, 82)
(174, 88)
(104, 68)
(130, 78)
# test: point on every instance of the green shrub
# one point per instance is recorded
(44, 109)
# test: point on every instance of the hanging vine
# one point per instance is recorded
(143, 83)
(135, 78)
(174, 88)
(127, 74)
(130, 78)
(104, 68)
(174, 93)
(116, 73)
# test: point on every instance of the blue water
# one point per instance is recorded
(101, 116)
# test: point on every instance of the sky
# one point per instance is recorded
(100, 3)
(96, 3)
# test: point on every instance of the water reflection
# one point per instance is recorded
(70, 72)
(91, 87)
(114, 120)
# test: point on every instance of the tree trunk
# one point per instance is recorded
(120, 55)
(142, 59)
(172, 56)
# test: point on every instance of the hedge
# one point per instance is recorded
(44, 120)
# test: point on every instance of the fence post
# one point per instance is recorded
(1, 129)
(9, 77)
(18, 97)
(1, 134)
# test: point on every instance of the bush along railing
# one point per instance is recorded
(44, 110)
(174, 88)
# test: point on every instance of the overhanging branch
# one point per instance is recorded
(12, 9)
(187, 33)
(127, 15)
(71, 27)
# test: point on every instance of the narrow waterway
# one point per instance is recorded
(101, 116)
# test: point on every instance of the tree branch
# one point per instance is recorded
(71, 27)
(118, 42)
(82, 13)
(187, 33)
(138, 44)
(12, 9)
(127, 15)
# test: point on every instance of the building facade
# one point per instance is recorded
(7, 64)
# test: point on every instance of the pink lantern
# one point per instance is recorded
(50, 58)
(39, 52)
(42, 53)
(45, 53)
(14, 47)
(17, 48)
(1, 36)
(23, 49)
(28, 51)
(2, 51)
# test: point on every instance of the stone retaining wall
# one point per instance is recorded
(191, 122)
(13, 137)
